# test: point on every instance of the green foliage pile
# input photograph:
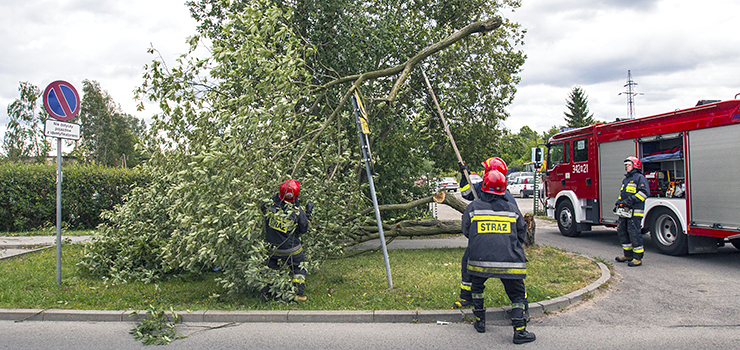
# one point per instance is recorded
(28, 194)
(268, 102)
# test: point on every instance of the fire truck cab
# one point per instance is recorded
(690, 158)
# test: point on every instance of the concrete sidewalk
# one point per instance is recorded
(12, 246)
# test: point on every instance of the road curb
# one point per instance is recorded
(498, 315)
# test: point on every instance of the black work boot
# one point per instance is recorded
(634, 262)
(480, 320)
(521, 335)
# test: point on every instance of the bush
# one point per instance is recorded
(28, 194)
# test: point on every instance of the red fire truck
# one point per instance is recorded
(691, 158)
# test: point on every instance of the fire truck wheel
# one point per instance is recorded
(666, 233)
(566, 219)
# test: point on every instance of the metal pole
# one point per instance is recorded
(59, 211)
(364, 147)
(535, 193)
(447, 129)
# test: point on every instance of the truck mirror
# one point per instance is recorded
(537, 155)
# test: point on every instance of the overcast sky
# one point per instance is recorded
(678, 51)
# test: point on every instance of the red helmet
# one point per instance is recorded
(494, 163)
(636, 163)
(289, 190)
(494, 182)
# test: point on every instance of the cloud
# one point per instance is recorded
(678, 52)
(106, 41)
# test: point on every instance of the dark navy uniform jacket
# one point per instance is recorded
(284, 232)
(495, 231)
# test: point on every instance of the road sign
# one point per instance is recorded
(61, 100)
(62, 130)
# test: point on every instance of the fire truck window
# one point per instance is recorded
(580, 150)
(566, 152)
(555, 155)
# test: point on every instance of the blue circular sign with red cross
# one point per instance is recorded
(61, 100)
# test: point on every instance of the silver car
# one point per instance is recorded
(448, 184)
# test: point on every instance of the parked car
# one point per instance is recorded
(475, 178)
(512, 176)
(448, 184)
(522, 186)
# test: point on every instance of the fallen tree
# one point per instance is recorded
(425, 227)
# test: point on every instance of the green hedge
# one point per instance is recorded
(28, 194)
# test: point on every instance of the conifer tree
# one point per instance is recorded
(578, 106)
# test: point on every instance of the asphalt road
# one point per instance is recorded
(670, 302)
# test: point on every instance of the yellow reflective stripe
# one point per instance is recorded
(627, 247)
(464, 287)
(497, 270)
(492, 218)
(639, 250)
(638, 214)
(465, 188)
(520, 328)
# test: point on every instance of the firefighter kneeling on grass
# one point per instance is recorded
(495, 234)
(630, 207)
(283, 233)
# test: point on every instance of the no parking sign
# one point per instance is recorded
(61, 100)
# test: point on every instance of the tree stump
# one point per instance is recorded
(531, 226)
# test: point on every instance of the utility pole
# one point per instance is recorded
(630, 94)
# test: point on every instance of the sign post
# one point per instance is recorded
(62, 102)
(363, 130)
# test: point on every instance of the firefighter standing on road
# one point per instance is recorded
(493, 163)
(496, 231)
(630, 207)
(285, 221)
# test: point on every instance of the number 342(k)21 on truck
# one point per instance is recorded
(691, 158)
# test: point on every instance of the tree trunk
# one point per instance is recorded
(411, 228)
(427, 227)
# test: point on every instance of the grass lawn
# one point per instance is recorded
(422, 280)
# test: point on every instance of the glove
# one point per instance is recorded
(627, 202)
(614, 210)
(617, 204)
(463, 167)
(309, 210)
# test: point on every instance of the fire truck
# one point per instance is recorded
(691, 158)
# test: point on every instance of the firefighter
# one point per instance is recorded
(492, 163)
(496, 230)
(285, 221)
(630, 207)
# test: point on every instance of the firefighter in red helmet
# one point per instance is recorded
(466, 190)
(285, 222)
(496, 230)
(630, 207)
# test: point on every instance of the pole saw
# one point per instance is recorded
(447, 129)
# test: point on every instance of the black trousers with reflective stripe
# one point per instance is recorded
(629, 232)
(466, 278)
(515, 290)
(276, 262)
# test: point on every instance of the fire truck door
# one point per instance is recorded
(713, 155)
(611, 173)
